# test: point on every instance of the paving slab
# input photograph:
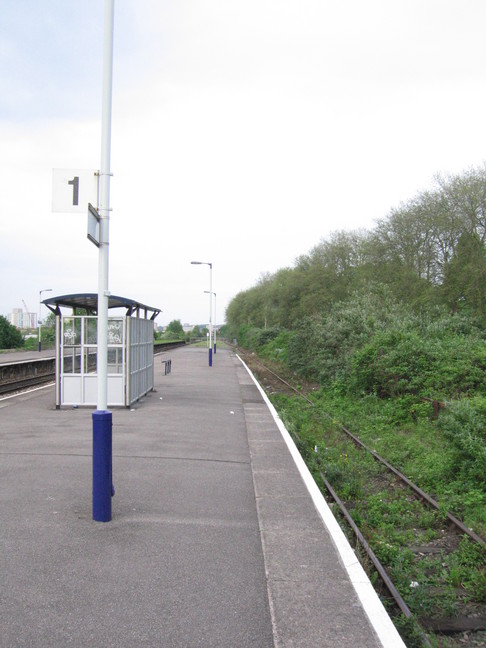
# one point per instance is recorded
(214, 540)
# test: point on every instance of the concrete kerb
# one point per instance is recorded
(374, 609)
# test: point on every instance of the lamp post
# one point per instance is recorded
(210, 307)
(215, 320)
(39, 318)
(102, 417)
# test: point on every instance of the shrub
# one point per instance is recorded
(392, 364)
(10, 336)
(463, 423)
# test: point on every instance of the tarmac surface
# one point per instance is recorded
(216, 538)
(6, 357)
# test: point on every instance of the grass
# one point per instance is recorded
(434, 582)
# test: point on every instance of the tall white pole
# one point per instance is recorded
(215, 320)
(102, 419)
(210, 312)
(39, 317)
(215, 323)
(104, 209)
(39, 321)
(210, 307)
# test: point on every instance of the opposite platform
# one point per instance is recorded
(215, 539)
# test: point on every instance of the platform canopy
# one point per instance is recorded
(89, 302)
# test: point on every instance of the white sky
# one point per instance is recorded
(243, 133)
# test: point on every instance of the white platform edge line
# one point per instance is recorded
(373, 607)
(26, 391)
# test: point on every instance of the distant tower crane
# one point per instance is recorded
(29, 316)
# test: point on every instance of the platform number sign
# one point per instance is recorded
(73, 190)
(75, 183)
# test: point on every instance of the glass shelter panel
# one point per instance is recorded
(90, 360)
(71, 331)
(79, 354)
(115, 331)
(115, 360)
(91, 330)
(71, 360)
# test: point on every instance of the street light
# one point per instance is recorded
(215, 320)
(210, 307)
(102, 418)
(39, 318)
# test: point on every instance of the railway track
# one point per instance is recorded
(465, 625)
(20, 384)
(18, 376)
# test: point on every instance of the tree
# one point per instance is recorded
(174, 330)
(10, 337)
(196, 331)
(465, 276)
(430, 250)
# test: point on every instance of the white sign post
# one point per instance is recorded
(73, 189)
(93, 225)
(102, 418)
(77, 191)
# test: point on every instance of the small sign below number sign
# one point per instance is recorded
(73, 189)
(93, 225)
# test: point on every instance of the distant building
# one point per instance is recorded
(21, 319)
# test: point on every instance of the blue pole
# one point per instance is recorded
(102, 465)
(210, 357)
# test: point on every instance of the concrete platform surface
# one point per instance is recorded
(215, 539)
(8, 357)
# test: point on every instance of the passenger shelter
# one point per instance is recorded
(130, 349)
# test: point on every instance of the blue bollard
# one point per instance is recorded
(210, 357)
(102, 465)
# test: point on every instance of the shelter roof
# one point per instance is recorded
(89, 302)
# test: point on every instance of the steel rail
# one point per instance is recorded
(397, 597)
(18, 385)
(430, 500)
(13, 384)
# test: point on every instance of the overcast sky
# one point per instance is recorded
(243, 133)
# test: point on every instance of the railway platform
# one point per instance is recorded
(219, 538)
(22, 356)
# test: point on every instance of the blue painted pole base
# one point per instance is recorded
(210, 357)
(215, 347)
(102, 465)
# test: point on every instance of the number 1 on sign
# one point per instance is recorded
(75, 183)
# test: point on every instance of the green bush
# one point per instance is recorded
(464, 424)
(276, 347)
(420, 362)
(392, 364)
(10, 336)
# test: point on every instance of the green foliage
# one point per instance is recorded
(430, 250)
(224, 332)
(464, 286)
(276, 347)
(397, 362)
(174, 331)
(464, 424)
(31, 344)
(323, 345)
(10, 336)
(48, 339)
(196, 331)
